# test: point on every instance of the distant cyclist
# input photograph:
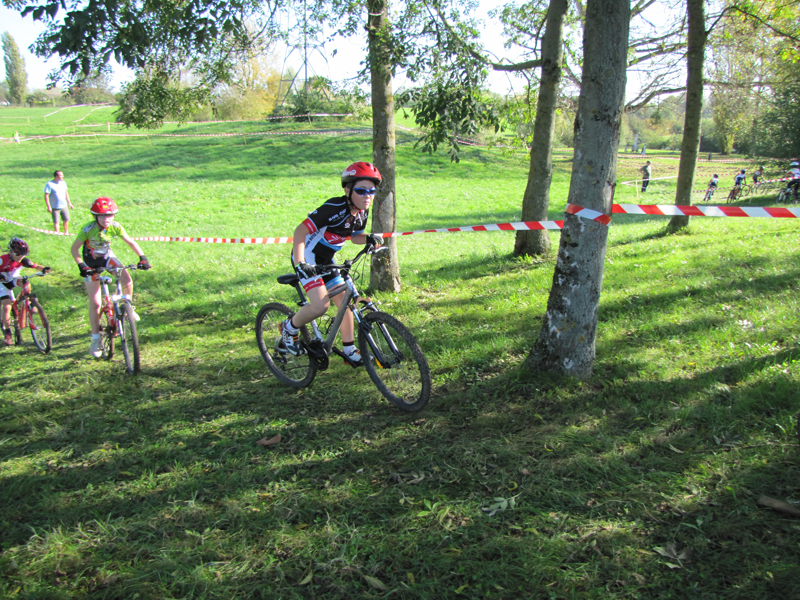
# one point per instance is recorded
(712, 187)
(757, 174)
(738, 181)
(794, 175)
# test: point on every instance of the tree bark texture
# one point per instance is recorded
(536, 201)
(385, 271)
(566, 342)
(690, 145)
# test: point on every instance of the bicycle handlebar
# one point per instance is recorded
(348, 264)
(39, 274)
(114, 270)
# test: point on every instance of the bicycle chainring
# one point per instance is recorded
(316, 352)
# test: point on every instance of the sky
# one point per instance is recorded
(344, 65)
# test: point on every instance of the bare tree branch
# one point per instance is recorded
(523, 66)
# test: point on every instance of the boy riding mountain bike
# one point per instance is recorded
(10, 266)
(318, 239)
(92, 250)
(739, 179)
(794, 174)
(712, 187)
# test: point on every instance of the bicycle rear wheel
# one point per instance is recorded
(394, 361)
(732, 196)
(107, 332)
(40, 327)
(128, 338)
(294, 371)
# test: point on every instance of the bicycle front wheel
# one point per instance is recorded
(40, 327)
(107, 333)
(746, 189)
(294, 371)
(15, 321)
(128, 338)
(394, 361)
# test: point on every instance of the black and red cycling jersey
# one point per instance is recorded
(329, 227)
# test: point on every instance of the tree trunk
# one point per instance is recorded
(536, 201)
(566, 343)
(690, 145)
(385, 271)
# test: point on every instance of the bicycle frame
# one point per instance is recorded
(22, 306)
(110, 302)
(349, 302)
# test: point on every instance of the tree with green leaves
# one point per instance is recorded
(16, 77)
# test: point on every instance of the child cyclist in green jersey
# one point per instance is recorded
(318, 239)
(92, 250)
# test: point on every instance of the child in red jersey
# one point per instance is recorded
(10, 266)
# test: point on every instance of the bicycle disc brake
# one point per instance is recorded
(317, 353)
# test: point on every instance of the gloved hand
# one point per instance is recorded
(305, 270)
(46, 270)
(143, 263)
(84, 269)
(373, 239)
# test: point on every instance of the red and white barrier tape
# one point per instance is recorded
(572, 209)
(706, 211)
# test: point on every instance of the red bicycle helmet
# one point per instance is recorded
(361, 170)
(18, 246)
(104, 206)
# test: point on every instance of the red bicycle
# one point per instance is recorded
(27, 311)
(117, 320)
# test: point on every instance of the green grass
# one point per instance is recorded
(640, 483)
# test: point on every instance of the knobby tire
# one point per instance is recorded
(106, 336)
(40, 327)
(294, 371)
(397, 365)
(128, 338)
(17, 331)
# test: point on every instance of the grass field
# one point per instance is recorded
(639, 483)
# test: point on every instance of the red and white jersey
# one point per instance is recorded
(9, 269)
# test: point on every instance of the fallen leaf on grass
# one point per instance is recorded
(671, 551)
(307, 579)
(269, 442)
(376, 583)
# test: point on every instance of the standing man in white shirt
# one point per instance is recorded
(59, 204)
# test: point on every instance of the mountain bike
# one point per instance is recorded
(786, 195)
(117, 320)
(27, 311)
(389, 352)
(734, 194)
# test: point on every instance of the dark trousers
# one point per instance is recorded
(644, 184)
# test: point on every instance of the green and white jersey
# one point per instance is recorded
(96, 241)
